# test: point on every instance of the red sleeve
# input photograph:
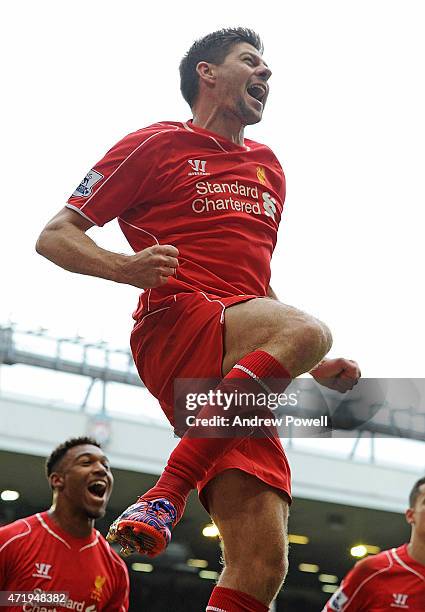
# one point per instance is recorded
(353, 594)
(126, 176)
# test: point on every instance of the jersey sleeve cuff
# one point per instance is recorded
(80, 212)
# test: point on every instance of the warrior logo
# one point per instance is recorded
(198, 167)
(400, 601)
(85, 188)
(42, 571)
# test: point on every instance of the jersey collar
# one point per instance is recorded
(68, 540)
(223, 143)
(402, 556)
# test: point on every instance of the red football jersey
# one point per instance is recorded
(35, 553)
(388, 581)
(218, 202)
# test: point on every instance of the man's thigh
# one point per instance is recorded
(267, 324)
(252, 518)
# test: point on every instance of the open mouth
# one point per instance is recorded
(98, 489)
(257, 91)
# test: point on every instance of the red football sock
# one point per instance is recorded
(194, 457)
(228, 600)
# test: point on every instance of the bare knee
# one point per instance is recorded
(262, 575)
(297, 340)
(301, 344)
(312, 341)
(272, 570)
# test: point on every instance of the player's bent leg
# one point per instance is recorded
(252, 519)
(297, 340)
(191, 460)
(290, 343)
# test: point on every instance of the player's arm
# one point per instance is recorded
(64, 242)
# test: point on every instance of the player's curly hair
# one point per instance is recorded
(60, 451)
(414, 493)
(211, 48)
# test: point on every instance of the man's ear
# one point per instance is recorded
(206, 71)
(56, 481)
(409, 514)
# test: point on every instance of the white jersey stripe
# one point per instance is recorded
(79, 212)
(218, 144)
(223, 305)
(140, 229)
(385, 569)
(149, 234)
(19, 535)
(213, 609)
(403, 564)
(95, 541)
(55, 535)
(47, 528)
(140, 323)
(262, 384)
(189, 129)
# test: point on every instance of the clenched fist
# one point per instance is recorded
(149, 268)
(338, 374)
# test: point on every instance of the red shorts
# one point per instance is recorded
(185, 340)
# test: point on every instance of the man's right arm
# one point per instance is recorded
(64, 242)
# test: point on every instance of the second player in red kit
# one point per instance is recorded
(59, 550)
(393, 579)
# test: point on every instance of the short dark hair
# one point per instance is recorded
(211, 48)
(60, 451)
(415, 492)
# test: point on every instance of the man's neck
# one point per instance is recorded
(224, 124)
(416, 550)
(78, 526)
